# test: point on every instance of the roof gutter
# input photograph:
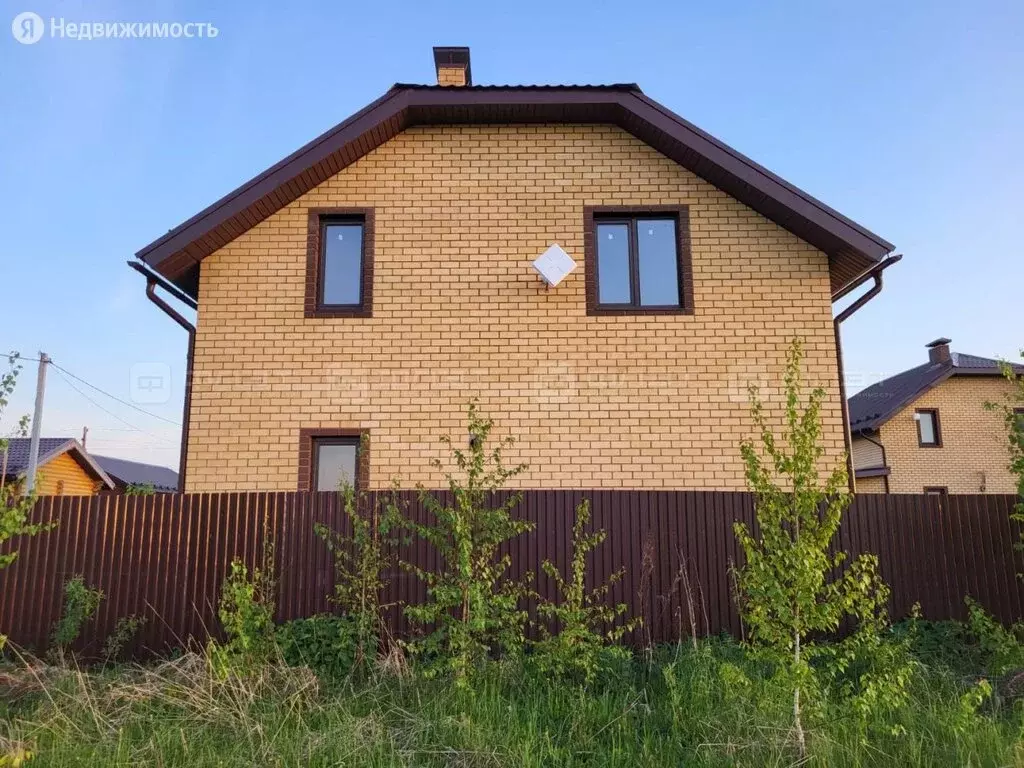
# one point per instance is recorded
(152, 281)
(875, 273)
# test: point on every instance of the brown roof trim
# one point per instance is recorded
(851, 248)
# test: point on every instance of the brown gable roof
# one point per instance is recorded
(875, 405)
(851, 248)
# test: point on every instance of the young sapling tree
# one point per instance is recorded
(787, 590)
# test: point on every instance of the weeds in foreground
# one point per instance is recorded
(714, 706)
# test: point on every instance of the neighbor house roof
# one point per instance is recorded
(49, 449)
(851, 248)
(872, 407)
(137, 473)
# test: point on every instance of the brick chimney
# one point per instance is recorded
(938, 350)
(452, 64)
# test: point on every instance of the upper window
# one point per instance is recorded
(638, 260)
(341, 264)
(928, 434)
(335, 462)
(339, 281)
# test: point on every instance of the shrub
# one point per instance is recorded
(471, 604)
(579, 649)
(360, 561)
(1013, 421)
(1001, 647)
(15, 506)
(327, 644)
(246, 612)
(80, 603)
(124, 631)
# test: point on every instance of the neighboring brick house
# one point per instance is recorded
(63, 468)
(380, 277)
(927, 429)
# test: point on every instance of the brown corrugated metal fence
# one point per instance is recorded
(164, 557)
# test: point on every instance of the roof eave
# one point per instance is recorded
(852, 249)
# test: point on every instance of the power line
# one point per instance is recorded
(114, 397)
(101, 391)
(105, 410)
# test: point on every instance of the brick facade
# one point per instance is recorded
(973, 457)
(460, 212)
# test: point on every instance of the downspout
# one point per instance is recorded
(152, 280)
(885, 460)
(876, 274)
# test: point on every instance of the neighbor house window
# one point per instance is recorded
(638, 260)
(339, 280)
(937, 490)
(1019, 414)
(330, 459)
(928, 435)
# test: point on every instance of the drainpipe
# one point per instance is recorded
(152, 280)
(876, 274)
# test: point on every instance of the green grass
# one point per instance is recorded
(684, 707)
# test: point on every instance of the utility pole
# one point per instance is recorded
(37, 423)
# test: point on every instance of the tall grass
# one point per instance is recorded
(711, 706)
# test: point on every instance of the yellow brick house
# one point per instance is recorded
(926, 430)
(371, 284)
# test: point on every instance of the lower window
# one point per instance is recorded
(330, 459)
(336, 461)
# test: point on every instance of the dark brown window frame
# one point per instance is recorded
(937, 490)
(309, 438)
(319, 219)
(938, 428)
(592, 215)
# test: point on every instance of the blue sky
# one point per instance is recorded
(905, 116)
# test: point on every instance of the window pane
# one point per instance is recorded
(927, 427)
(659, 264)
(613, 264)
(343, 261)
(335, 463)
